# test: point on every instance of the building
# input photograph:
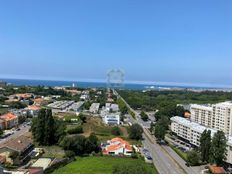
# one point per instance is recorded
(33, 110)
(42, 163)
(217, 116)
(22, 146)
(201, 114)
(117, 146)
(10, 120)
(59, 106)
(94, 108)
(217, 170)
(112, 119)
(191, 132)
(112, 107)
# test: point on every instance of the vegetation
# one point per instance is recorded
(122, 106)
(218, 148)
(131, 168)
(17, 105)
(102, 165)
(45, 129)
(205, 145)
(144, 116)
(116, 131)
(161, 128)
(153, 100)
(193, 158)
(75, 130)
(136, 132)
(80, 145)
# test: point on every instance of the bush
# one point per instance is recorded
(116, 131)
(69, 154)
(193, 158)
(75, 130)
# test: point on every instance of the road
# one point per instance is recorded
(164, 158)
(23, 129)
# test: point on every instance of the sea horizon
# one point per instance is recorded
(130, 85)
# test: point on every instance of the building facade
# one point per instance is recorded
(217, 116)
(191, 132)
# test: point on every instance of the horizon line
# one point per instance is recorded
(138, 82)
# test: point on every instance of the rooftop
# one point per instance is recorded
(19, 144)
(9, 116)
(217, 170)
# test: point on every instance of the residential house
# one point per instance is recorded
(22, 146)
(33, 110)
(10, 120)
(117, 146)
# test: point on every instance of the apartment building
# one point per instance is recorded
(217, 116)
(191, 132)
(201, 114)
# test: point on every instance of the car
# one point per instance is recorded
(149, 158)
(187, 164)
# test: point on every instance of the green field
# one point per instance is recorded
(98, 165)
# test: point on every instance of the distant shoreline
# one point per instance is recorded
(86, 84)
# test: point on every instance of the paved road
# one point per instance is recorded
(164, 158)
(23, 130)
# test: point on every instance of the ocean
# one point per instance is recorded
(127, 86)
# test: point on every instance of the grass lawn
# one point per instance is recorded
(99, 165)
(103, 132)
(182, 154)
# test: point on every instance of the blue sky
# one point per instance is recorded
(153, 40)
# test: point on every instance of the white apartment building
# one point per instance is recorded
(201, 114)
(217, 116)
(191, 132)
(112, 119)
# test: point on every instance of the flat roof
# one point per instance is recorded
(197, 127)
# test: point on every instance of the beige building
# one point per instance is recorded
(191, 132)
(217, 116)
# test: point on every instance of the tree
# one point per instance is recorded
(1, 132)
(205, 144)
(116, 131)
(122, 106)
(144, 116)
(45, 129)
(136, 132)
(218, 148)
(80, 144)
(82, 117)
(91, 144)
(161, 128)
(193, 158)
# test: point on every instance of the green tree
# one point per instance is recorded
(136, 132)
(45, 129)
(161, 128)
(144, 116)
(218, 148)
(122, 106)
(82, 117)
(193, 158)
(116, 131)
(205, 144)
(91, 144)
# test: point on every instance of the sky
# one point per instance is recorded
(188, 42)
